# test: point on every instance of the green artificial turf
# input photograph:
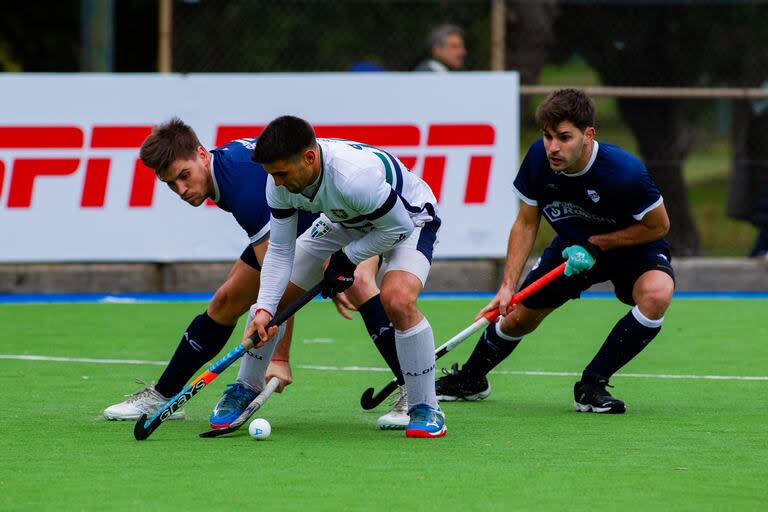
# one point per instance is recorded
(684, 444)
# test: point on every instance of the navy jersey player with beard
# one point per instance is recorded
(610, 220)
(229, 177)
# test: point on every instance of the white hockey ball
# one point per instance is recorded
(259, 428)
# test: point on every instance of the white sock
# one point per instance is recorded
(416, 353)
(253, 367)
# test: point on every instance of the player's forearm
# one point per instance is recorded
(275, 273)
(278, 260)
(653, 225)
(633, 235)
(519, 247)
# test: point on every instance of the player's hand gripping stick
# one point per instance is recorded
(144, 427)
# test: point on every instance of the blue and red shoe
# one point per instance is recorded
(231, 405)
(425, 422)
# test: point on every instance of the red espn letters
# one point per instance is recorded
(25, 171)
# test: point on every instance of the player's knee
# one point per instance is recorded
(364, 280)
(364, 287)
(226, 307)
(654, 303)
(516, 325)
(398, 303)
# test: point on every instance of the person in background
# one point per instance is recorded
(447, 52)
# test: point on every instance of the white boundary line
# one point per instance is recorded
(375, 369)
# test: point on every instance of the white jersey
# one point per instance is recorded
(361, 188)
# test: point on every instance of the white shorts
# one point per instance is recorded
(324, 237)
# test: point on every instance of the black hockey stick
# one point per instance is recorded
(144, 427)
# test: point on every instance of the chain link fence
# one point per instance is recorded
(677, 42)
(268, 36)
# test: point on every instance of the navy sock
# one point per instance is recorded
(628, 338)
(382, 333)
(203, 339)
(491, 349)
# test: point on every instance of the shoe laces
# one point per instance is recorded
(453, 372)
(424, 414)
(400, 402)
(234, 394)
(147, 391)
(598, 389)
(420, 413)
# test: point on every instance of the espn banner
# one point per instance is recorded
(72, 187)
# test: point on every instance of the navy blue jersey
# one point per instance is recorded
(613, 192)
(239, 188)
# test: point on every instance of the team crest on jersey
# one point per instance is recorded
(320, 229)
(338, 212)
(593, 195)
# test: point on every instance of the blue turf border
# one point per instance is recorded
(119, 298)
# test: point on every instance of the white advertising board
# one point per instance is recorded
(72, 188)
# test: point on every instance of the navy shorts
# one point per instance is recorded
(620, 266)
(249, 258)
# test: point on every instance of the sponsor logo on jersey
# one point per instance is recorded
(320, 229)
(593, 195)
(558, 210)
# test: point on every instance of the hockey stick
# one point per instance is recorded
(254, 406)
(370, 399)
(144, 427)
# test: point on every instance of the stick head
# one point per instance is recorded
(369, 399)
(139, 431)
(216, 432)
(366, 400)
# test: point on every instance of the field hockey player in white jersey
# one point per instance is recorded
(370, 205)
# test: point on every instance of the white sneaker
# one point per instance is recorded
(397, 418)
(147, 401)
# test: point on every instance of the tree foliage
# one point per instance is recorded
(667, 45)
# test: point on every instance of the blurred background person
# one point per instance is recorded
(748, 194)
(447, 51)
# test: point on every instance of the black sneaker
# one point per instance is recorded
(454, 386)
(593, 397)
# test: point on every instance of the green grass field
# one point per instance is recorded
(684, 444)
